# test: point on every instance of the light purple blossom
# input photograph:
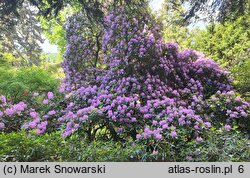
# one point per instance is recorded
(244, 114)
(52, 112)
(173, 134)
(32, 125)
(165, 126)
(9, 111)
(33, 114)
(227, 127)
(3, 99)
(83, 118)
(158, 136)
(199, 139)
(2, 125)
(133, 119)
(155, 152)
(228, 100)
(50, 95)
(138, 136)
(237, 99)
(207, 124)
(45, 101)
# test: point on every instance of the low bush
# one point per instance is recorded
(17, 84)
(24, 146)
(34, 112)
(220, 145)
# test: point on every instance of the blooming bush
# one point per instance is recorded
(228, 108)
(134, 84)
(9, 114)
(219, 145)
(37, 113)
(126, 81)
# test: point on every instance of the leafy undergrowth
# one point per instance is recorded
(23, 146)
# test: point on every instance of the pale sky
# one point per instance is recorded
(156, 4)
(49, 48)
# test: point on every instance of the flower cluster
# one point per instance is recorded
(145, 87)
(229, 108)
(35, 115)
(9, 111)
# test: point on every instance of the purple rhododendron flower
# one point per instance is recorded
(50, 95)
(32, 125)
(155, 152)
(227, 127)
(158, 136)
(138, 136)
(237, 99)
(2, 125)
(53, 112)
(83, 118)
(45, 101)
(199, 139)
(33, 114)
(173, 134)
(3, 99)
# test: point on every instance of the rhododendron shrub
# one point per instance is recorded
(229, 108)
(9, 114)
(133, 83)
(40, 113)
(125, 81)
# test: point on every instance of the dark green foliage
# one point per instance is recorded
(52, 147)
(219, 145)
(224, 43)
(241, 74)
(101, 150)
(23, 147)
(228, 44)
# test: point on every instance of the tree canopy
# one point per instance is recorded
(21, 35)
(211, 10)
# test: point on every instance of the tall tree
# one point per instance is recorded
(50, 8)
(175, 29)
(54, 28)
(22, 37)
(228, 44)
(215, 10)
